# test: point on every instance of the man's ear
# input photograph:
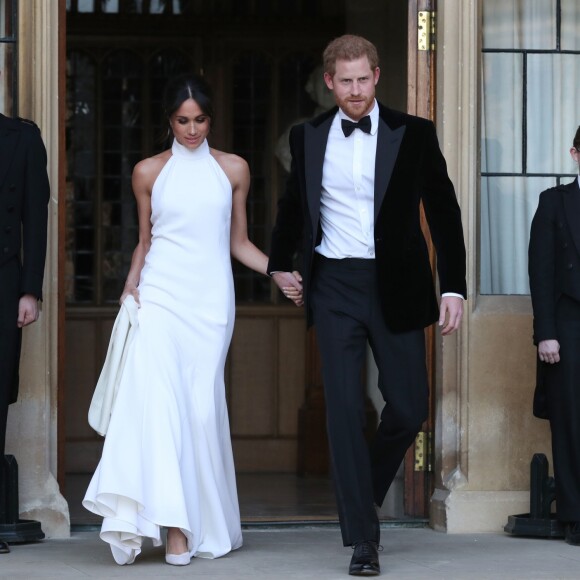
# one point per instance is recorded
(328, 80)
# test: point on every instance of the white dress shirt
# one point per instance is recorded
(347, 200)
(348, 192)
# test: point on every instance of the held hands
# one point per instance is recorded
(451, 313)
(27, 310)
(291, 285)
(549, 351)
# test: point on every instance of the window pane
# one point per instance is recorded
(508, 205)
(111, 6)
(81, 177)
(502, 111)
(553, 95)
(7, 66)
(252, 106)
(165, 65)
(570, 24)
(86, 5)
(6, 9)
(123, 125)
(524, 24)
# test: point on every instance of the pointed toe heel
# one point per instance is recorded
(178, 559)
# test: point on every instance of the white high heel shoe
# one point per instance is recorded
(178, 559)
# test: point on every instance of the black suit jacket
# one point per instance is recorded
(409, 168)
(24, 196)
(554, 255)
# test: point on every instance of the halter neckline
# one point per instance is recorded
(180, 150)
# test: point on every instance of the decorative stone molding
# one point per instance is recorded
(32, 421)
(457, 102)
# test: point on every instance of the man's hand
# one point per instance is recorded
(549, 351)
(451, 313)
(291, 285)
(27, 310)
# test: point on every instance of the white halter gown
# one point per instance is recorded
(167, 458)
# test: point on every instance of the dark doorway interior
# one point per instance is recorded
(260, 57)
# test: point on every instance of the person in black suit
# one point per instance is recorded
(554, 272)
(358, 175)
(24, 195)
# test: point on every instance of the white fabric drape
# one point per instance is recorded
(550, 118)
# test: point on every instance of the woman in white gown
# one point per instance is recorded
(167, 458)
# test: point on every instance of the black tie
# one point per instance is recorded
(363, 124)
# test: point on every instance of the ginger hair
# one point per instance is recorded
(349, 47)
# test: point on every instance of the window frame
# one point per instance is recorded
(11, 8)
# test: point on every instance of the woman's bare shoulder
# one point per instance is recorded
(152, 164)
(230, 161)
(234, 166)
(148, 169)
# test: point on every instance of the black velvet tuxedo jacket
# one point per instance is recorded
(409, 168)
(24, 195)
(554, 255)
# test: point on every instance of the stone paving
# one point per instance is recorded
(305, 553)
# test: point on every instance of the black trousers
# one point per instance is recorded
(347, 316)
(10, 339)
(562, 382)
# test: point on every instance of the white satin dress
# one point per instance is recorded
(167, 459)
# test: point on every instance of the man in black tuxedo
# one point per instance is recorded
(24, 195)
(358, 175)
(554, 270)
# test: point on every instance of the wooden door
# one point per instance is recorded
(313, 449)
(421, 102)
(117, 63)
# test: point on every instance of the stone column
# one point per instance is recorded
(485, 433)
(32, 421)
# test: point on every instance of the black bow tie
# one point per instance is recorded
(363, 124)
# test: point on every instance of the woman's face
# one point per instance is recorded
(190, 125)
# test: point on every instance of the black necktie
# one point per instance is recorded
(363, 124)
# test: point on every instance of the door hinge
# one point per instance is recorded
(423, 451)
(426, 30)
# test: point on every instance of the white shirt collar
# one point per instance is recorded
(374, 115)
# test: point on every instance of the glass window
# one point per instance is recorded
(570, 25)
(502, 113)
(113, 121)
(81, 141)
(519, 24)
(252, 135)
(8, 57)
(268, 98)
(529, 100)
(553, 89)
(86, 5)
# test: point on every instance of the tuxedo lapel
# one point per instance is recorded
(8, 142)
(388, 144)
(572, 211)
(315, 139)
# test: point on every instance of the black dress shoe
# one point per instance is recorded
(4, 548)
(573, 533)
(365, 560)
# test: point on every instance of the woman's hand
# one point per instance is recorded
(130, 290)
(291, 286)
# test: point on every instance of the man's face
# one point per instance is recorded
(353, 85)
